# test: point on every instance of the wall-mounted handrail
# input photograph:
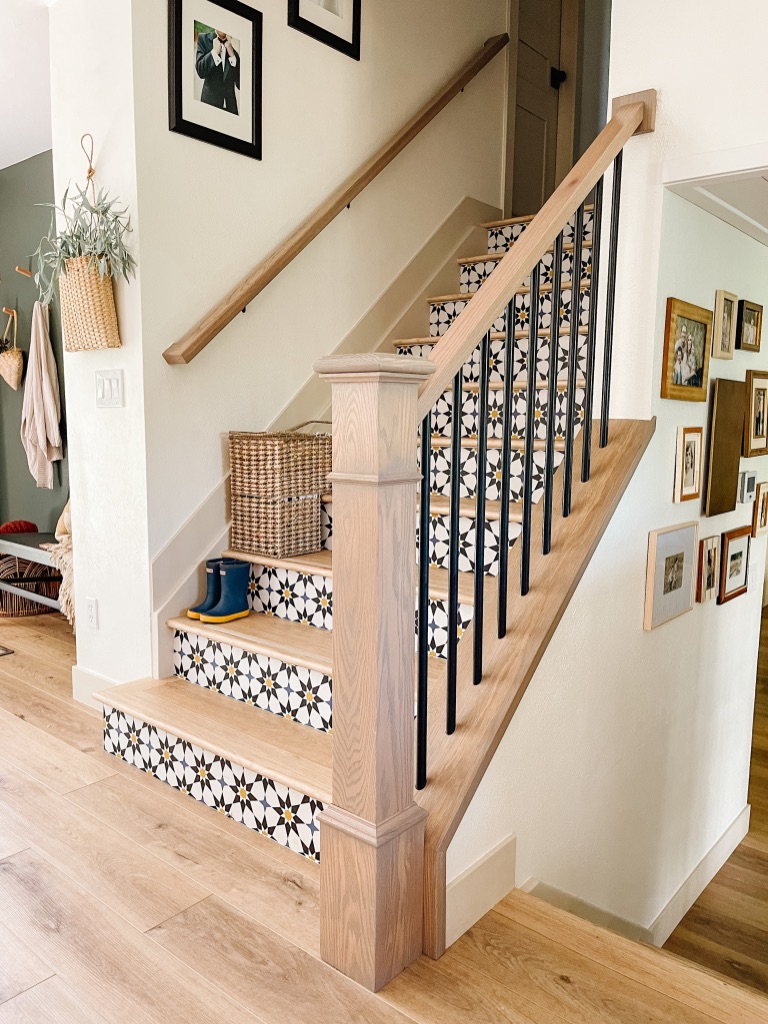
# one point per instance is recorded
(196, 339)
(467, 331)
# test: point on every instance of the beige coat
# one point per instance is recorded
(41, 412)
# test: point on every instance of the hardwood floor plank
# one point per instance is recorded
(258, 966)
(50, 1002)
(267, 889)
(75, 724)
(49, 760)
(719, 956)
(10, 843)
(100, 957)
(139, 886)
(20, 968)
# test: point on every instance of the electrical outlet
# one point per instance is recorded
(92, 612)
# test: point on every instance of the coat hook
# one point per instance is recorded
(23, 272)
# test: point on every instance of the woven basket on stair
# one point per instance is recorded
(277, 480)
(11, 605)
(88, 317)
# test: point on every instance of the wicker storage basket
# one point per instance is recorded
(12, 606)
(88, 317)
(277, 480)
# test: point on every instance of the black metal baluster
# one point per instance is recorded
(594, 290)
(573, 363)
(453, 550)
(530, 421)
(423, 603)
(554, 359)
(482, 468)
(506, 467)
(610, 300)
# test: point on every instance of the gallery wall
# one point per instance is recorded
(23, 186)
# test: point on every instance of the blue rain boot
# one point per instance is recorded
(213, 592)
(233, 603)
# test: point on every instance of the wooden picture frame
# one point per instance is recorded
(688, 460)
(687, 344)
(760, 511)
(708, 577)
(734, 564)
(223, 107)
(756, 414)
(316, 18)
(671, 573)
(749, 327)
(726, 429)
(725, 324)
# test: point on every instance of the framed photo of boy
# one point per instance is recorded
(688, 464)
(749, 327)
(214, 73)
(760, 513)
(725, 323)
(709, 563)
(670, 577)
(333, 22)
(734, 564)
(756, 418)
(687, 344)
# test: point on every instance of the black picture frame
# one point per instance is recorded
(176, 121)
(350, 49)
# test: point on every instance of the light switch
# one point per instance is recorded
(109, 389)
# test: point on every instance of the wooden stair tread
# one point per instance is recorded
(319, 563)
(545, 289)
(465, 261)
(521, 220)
(517, 445)
(295, 643)
(278, 748)
(495, 336)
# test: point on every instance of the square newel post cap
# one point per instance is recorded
(375, 366)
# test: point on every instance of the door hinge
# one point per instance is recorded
(556, 77)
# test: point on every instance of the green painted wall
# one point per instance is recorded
(22, 225)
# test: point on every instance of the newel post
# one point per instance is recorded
(371, 874)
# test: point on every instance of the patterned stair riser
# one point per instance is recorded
(297, 597)
(442, 314)
(497, 358)
(473, 275)
(502, 239)
(284, 815)
(442, 415)
(290, 691)
(441, 473)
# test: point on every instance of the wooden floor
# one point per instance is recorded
(122, 901)
(727, 927)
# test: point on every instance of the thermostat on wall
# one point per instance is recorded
(747, 486)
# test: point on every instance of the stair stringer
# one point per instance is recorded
(457, 763)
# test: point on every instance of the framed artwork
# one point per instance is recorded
(688, 464)
(214, 73)
(760, 513)
(734, 564)
(726, 427)
(333, 22)
(724, 325)
(687, 343)
(670, 574)
(756, 415)
(708, 580)
(749, 326)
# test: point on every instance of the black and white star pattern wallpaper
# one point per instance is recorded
(261, 804)
(442, 414)
(291, 595)
(443, 313)
(501, 239)
(441, 473)
(475, 274)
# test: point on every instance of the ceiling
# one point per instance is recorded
(25, 84)
(740, 199)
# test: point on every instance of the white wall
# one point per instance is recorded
(628, 758)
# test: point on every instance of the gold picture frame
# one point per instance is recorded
(755, 438)
(725, 324)
(688, 461)
(749, 326)
(687, 344)
(760, 511)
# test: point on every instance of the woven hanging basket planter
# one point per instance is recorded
(11, 360)
(88, 317)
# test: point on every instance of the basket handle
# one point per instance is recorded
(306, 423)
(13, 318)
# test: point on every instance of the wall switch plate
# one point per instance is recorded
(92, 612)
(109, 389)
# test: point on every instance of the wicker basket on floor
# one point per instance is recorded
(11, 605)
(277, 480)
(88, 317)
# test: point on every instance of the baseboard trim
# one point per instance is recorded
(86, 683)
(479, 888)
(586, 911)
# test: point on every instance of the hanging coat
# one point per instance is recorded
(41, 412)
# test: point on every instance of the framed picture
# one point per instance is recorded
(688, 464)
(726, 428)
(670, 574)
(749, 326)
(687, 343)
(734, 565)
(214, 73)
(333, 22)
(708, 580)
(756, 415)
(760, 513)
(724, 326)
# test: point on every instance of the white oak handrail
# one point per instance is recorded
(631, 114)
(196, 339)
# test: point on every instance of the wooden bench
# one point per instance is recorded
(29, 547)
